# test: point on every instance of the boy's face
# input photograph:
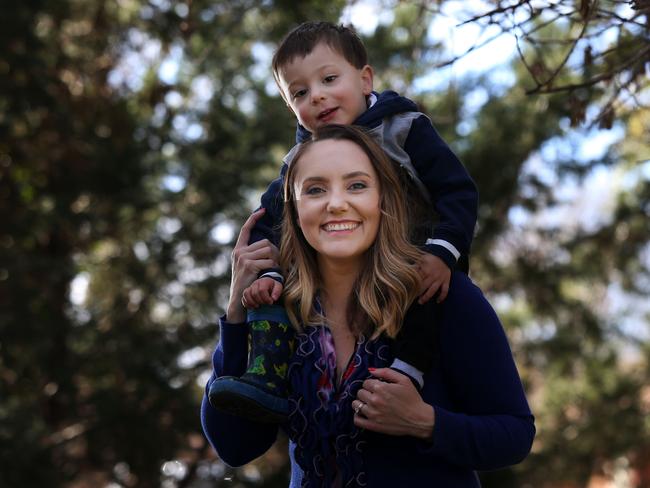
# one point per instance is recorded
(324, 88)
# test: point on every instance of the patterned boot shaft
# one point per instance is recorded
(272, 340)
(261, 393)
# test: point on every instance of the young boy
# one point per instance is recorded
(324, 77)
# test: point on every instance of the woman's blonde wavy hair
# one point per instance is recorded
(388, 282)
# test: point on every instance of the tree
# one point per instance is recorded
(134, 135)
(604, 50)
(551, 276)
(113, 176)
(554, 277)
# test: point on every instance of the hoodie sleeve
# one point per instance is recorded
(268, 227)
(452, 191)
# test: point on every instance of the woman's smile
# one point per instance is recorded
(340, 226)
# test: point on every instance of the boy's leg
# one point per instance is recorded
(415, 343)
(463, 263)
(261, 393)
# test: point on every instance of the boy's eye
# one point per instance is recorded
(329, 78)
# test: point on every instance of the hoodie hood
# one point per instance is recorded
(388, 103)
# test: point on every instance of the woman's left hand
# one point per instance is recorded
(389, 403)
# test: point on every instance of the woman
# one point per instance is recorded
(350, 281)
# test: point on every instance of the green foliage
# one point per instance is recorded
(101, 384)
(114, 173)
(396, 50)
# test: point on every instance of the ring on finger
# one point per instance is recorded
(359, 406)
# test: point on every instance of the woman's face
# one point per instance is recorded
(337, 200)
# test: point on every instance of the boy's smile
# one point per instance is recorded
(327, 114)
(324, 88)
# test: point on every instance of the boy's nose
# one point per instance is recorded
(317, 94)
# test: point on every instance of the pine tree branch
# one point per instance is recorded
(491, 13)
(592, 81)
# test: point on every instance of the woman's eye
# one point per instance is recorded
(358, 186)
(314, 190)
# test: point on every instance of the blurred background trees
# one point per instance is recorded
(136, 135)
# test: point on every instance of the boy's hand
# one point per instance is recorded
(264, 290)
(435, 276)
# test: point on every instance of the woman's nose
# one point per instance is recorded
(337, 202)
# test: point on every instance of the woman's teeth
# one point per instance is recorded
(343, 226)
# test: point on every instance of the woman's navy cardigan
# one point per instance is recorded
(482, 418)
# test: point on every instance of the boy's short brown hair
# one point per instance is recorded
(303, 39)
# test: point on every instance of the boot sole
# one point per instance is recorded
(235, 397)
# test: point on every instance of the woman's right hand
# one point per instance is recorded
(247, 262)
(389, 403)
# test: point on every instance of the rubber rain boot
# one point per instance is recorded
(260, 394)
